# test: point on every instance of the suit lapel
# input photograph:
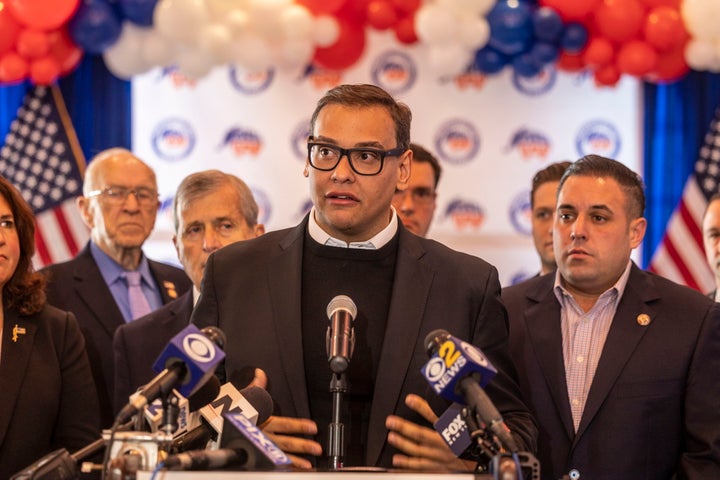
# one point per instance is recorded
(623, 336)
(410, 291)
(91, 288)
(284, 279)
(17, 343)
(542, 320)
(168, 289)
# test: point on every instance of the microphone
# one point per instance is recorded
(253, 402)
(458, 371)
(340, 336)
(187, 407)
(243, 444)
(187, 361)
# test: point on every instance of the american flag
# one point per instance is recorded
(43, 159)
(681, 255)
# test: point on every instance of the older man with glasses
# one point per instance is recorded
(110, 281)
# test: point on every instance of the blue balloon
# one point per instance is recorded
(525, 65)
(543, 53)
(139, 12)
(575, 37)
(547, 25)
(510, 26)
(490, 61)
(95, 26)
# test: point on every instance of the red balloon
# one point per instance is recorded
(636, 58)
(570, 62)
(571, 10)
(13, 68)
(406, 6)
(355, 11)
(659, 3)
(381, 15)
(44, 71)
(32, 43)
(405, 30)
(598, 52)
(607, 76)
(9, 29)
(322, 6)
(619, 20)
(346, 50)
(670, 67)
(664, 28)
(42, 14)
(64, 50)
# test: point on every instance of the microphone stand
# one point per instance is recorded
(336, 430)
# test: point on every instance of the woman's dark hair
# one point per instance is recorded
(25, 291)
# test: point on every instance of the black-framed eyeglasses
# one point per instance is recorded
(363, 161)
(118, 195)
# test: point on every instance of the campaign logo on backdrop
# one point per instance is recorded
(177, 79)
(394, 71)
(471, 79)
(299, 139)
(320, 78)
(242, 141)
(264, 205)
(530, 143)
(173, 139)
(520, 213)
(465, 214)
(304, 209)
(250, 83)
(599, 137)
(537, 85)
(457, 141)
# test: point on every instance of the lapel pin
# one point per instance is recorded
(170, 289)
(17, 331)
(643, 319)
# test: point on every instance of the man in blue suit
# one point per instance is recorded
(619, 366)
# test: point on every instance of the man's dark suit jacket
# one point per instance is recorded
(78, 286)
(252, 291)
(652, 409)
(47, 395)
(137, 345)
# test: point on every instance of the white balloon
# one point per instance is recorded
(194, 63)
(237, 21)
(700, 54)
(215, 40)
(326, 31)
(251, 52)
(701, 17)
(448, 60)
(157, 50)
(297, 22)
(179, 19)
(219, 9)
(474, 33)
(293, 54)
(435, 25)
(123, 58)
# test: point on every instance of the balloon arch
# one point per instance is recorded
(655, 40)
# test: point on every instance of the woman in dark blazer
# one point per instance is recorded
(47, 395)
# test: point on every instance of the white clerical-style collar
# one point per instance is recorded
(378, 241)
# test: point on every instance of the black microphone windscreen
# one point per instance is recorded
(434, 339)
(261, 400)
(216, 335)
(204, 394)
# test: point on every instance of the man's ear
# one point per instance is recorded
(404, 169)
(637, 231)
(83, 204)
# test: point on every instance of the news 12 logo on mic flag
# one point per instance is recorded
(681, 254)
(42, 158)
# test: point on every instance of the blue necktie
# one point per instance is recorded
(139, 305)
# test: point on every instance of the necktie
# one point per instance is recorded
(139, 305)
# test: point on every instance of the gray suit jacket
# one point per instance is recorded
(78, 286)
(652, 410)
(252, 291)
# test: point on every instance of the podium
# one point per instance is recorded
(349, 474)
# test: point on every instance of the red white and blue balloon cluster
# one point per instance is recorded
(655, 40)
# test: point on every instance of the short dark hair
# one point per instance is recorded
(421, 154)
(199, 184)
(551, 173)
(365, 95)
(629, 181)
(25, 291)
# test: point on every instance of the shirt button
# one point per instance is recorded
(575, 402)
(580, 358)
